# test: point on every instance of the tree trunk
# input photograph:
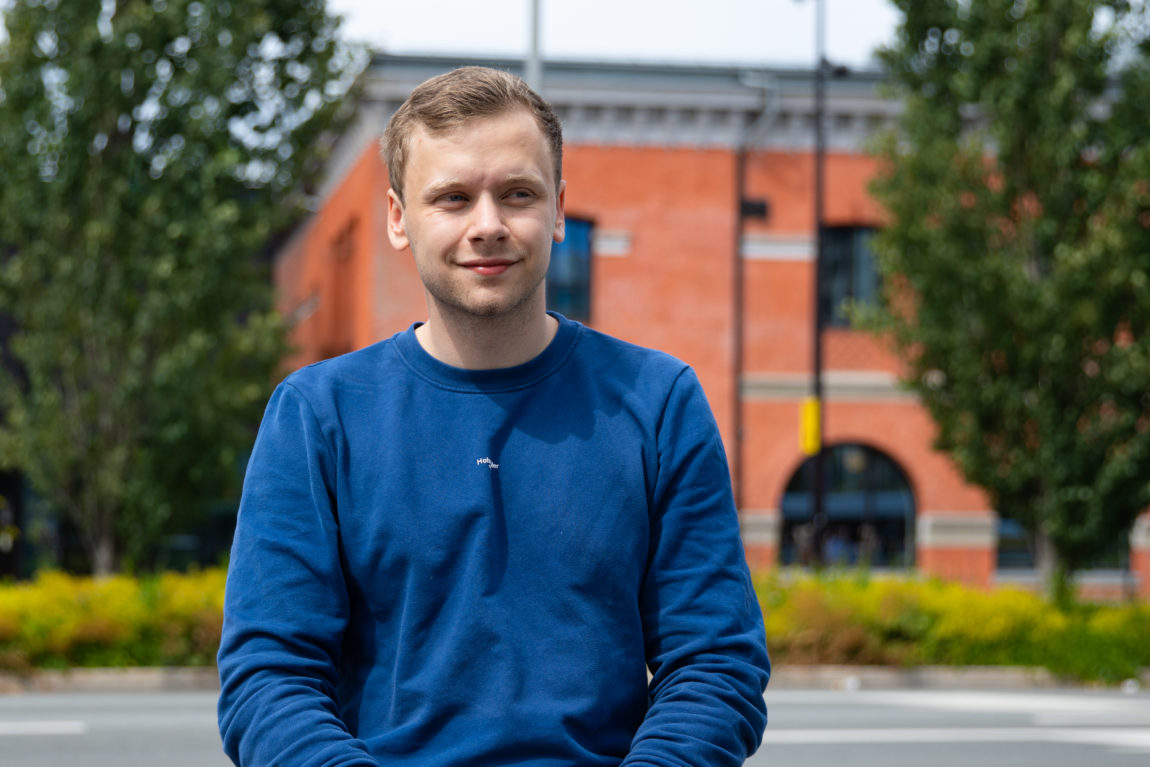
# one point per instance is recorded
(1052, 571)
(103, 555)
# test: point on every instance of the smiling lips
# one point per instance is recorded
(489, 267)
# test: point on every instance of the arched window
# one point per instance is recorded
(869, 510)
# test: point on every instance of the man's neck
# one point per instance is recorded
(485, 343)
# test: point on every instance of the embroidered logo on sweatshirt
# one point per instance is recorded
(490, 463)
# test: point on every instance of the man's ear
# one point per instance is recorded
(560, 221)
(396, 229)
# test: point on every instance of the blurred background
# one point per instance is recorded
(913, 282)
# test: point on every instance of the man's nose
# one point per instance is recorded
(487, 222)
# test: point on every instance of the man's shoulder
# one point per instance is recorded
(354, 369)
(615, 354)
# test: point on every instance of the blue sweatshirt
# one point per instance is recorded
(435, 566)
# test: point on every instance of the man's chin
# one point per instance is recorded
(486, 309)
(488, 304)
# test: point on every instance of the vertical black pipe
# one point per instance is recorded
(737, 305)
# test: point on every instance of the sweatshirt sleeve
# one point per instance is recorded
(286, 604)
(703, 629)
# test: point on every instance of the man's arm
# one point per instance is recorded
(702, 624)
(286, 604)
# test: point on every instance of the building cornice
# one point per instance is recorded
(838, 385)
(704, 106)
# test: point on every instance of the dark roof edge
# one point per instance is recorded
(589, 65)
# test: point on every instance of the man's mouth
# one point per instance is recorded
(488, 267)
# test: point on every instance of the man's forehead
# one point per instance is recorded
(427, 145)
(520, 115)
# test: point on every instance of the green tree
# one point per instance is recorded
(1016, 262)
(151, 150)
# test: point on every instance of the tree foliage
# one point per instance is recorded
(152, 149)
(1017, 256)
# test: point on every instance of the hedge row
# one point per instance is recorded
(62, 621)
(58, 621)
(857, 619)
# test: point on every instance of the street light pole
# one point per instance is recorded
(818, 512)
(534, 60)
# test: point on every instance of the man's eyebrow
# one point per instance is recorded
(528, 179)
(441, 185)
(438, 187)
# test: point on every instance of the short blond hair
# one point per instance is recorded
(449, 100)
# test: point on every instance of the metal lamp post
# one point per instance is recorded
(818, 512)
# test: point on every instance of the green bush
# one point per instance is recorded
(60, 621)
(858, 619)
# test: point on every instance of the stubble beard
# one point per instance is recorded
(454, 302)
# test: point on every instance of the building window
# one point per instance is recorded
(569, 276)
(1017, 550)
(869, 511)
(848, 272)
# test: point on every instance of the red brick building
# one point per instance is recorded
(658, 160)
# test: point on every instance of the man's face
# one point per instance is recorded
(480, 215)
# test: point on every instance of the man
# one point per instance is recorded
(468, 544)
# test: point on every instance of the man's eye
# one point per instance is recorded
(453, 197)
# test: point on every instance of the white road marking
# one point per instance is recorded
(1129, 738)
(61, 727)
(1032, 703)
(1093, 719)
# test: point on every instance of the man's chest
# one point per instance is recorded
(498, 500)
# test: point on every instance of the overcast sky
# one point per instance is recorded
(720, 31)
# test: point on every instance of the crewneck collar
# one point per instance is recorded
(493, 380)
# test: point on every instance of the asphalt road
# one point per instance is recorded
(175, 729)
(952, 728)
(811, 728)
